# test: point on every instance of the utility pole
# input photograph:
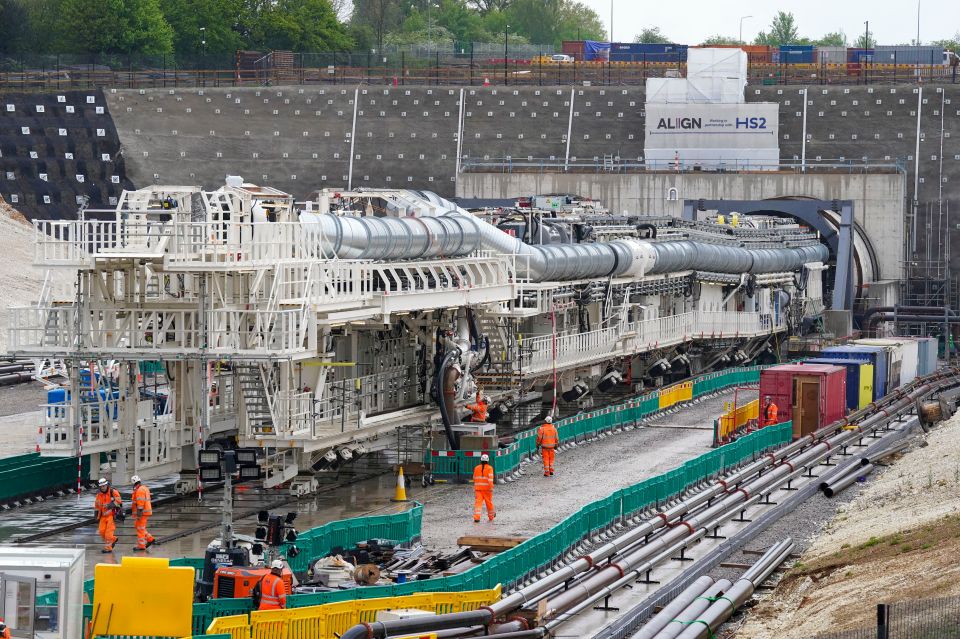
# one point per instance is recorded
(742, 18)
(866, 34)
(506, 28)
(611, 20)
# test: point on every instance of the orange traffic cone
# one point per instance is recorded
(401, 492)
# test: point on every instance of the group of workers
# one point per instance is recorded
(483, 476)
(108, 509)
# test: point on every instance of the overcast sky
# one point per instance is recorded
(691, 21)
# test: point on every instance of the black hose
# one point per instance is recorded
(648, 227)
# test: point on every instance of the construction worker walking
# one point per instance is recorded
(769, 411)
(107, 506)
(142, 509)
(483, 489)
(547, 442)
(4, 630)
(479, 409)
(273, 589)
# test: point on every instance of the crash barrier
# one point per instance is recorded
(733, 420)
(531, 556)
(332, 620)
(577, 428)
(313, 543)
(31, 474)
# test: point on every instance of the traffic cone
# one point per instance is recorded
(401, 492)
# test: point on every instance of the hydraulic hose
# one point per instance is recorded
(442, 394)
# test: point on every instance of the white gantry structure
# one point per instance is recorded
(314, 330)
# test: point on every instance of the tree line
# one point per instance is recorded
(783, 29)
(193, 28)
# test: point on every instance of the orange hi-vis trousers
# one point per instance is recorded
(143, 537)
(481, 498)
(106, 530)
(549, 454)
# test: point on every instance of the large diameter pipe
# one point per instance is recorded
(691, 612)
(736, 596)
(834, 487)
(383, 629)
(673, 609)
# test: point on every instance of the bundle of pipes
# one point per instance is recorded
(459, 233)
(860, 469)
(616, 563)
(15, 372)
(694, 608)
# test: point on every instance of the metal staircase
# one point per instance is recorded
(258, 385)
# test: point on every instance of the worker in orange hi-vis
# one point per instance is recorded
(4, 630)
(769, 411)
(483, 489)
(273, 589)
(479, 409)
(547, 442)
(107, 506)
(142, 510)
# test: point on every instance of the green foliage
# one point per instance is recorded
(720, 39)
(833, 39)
(862, 42)
(220, 20)
(552, 21)
(783, 30)
(113, 26)
(949, 44)
(652, 35)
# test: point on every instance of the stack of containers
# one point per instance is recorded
(908, 55)
(906, 354)
(573, 48)
(798, 54)
(810, 395)
(647, 52)
(878, 356)
(830, 55)
(859, 379)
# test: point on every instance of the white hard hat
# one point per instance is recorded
(486, 398)
(276, 564)
(548, 419)
(102, 482)
(484, 457)
(135, 479)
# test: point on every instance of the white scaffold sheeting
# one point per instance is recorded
(695, 91)
(717, 63)
(711, 137)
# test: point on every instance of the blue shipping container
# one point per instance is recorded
(860, 55)
(853, 375)
(876, 355)
(797, 54)
(644, 52)
(593, 50)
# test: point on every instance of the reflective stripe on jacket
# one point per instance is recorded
(547, 436)
(142, 506)
(273, 592)
(105, 502)
(483, 477)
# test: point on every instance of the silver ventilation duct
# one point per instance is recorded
(459, 232)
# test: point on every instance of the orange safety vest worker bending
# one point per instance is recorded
(106, 505)
(4, 630)
(483, 489)
(769, 412)
(547, 442)
(273, 589)
(479, 409)
(142, 510)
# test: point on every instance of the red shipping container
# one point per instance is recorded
(812, 395)
(573, 48)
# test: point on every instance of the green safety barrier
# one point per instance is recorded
(515, 564)
(582, 426)
(30, 473)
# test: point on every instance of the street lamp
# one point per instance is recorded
(506, 28)
(742, 18)
(866, 34)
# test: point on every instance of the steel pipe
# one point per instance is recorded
(676, 624)
(834, 486)
(675, 608)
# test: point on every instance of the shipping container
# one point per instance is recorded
(908, 55)
(928, 348)
(798, 54)
(894, 360)
(832, 55)
(909, 355)
(573, 48)
(859, 55)
(647, 52)
(859, 379)
(811, 395)
(876, 355)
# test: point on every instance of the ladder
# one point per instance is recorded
(257, 383)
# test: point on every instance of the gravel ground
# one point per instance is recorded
(584, 474)
(22, 398)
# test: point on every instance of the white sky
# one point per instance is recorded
(691, 21)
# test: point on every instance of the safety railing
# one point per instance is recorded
(92, 421)
(735, 419)
(531, 556)
(332, 620)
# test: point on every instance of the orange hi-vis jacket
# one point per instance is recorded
(273, 592)
(479, 410)
(547, 436)
(105, 503)
(483, 478)
(770, 414)
(142, 506)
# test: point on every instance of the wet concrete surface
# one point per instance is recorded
(525, 507)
